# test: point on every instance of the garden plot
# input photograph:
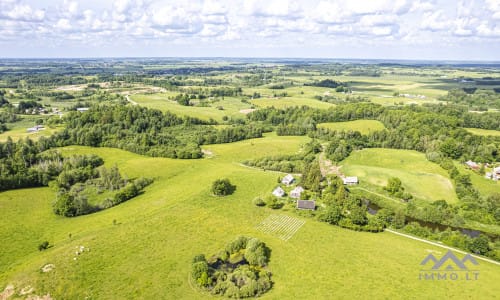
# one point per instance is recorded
(280, 226)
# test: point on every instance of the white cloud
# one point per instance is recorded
(269, 8)
(63, 24)
(252, 23)
(435, 21)
(212, 7)
(21, 12)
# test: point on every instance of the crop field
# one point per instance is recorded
(424, 179)
(280, 226)
(363, 126)
(484, 132)
(177, 218)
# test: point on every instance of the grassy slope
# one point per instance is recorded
(147, 255)
(363, 126)
(420, 177)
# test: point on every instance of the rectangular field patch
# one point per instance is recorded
(280, 226)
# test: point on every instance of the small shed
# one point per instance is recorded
(288, 179)
(279, 192)
(296, 192)
(306, 204)
(350, 180)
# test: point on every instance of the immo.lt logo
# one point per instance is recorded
(449, 267)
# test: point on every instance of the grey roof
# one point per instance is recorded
(306, 204)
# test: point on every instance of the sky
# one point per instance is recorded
(364, 29)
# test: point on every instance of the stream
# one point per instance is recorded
(374, 208)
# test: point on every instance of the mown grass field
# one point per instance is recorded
(231, 106)
(484, 132)
(424, 179)
(363, 126)
(284, 102)
(147, 253)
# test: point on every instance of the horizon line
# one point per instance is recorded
(446, 61)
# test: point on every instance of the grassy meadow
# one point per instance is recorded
(18, 130)
(424, 179)
(231, 106)
(143, 248)
(363, 126)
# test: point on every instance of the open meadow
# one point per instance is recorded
(231, 106)
(143, 248)
(422, 178)
(363, 126)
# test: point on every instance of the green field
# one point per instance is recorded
(290, 102)
(147, 254)
(18, 130)
(231, 106)
(424, 179)
(363, 126)
(484, 132)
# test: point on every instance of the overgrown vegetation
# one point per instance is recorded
(237, 271)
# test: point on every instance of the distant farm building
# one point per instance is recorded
(279, 192)
(494, 175)
(306, 204)
(350, 180)
(472, 165)
(35, 128)
(288, 179)
(296, 192)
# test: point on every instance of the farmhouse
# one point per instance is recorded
(306, 204)
(279, 192)
(295, 193)
(288, 179)
(472, 165)
(350, 180)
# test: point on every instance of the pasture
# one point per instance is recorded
(143, 248)
(424, 179)
(363, 126)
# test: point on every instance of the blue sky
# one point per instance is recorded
(390, 29)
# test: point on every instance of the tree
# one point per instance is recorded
(480, 245)
(222, 187)
(393, 185)
(312, 176)
(331, 215)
